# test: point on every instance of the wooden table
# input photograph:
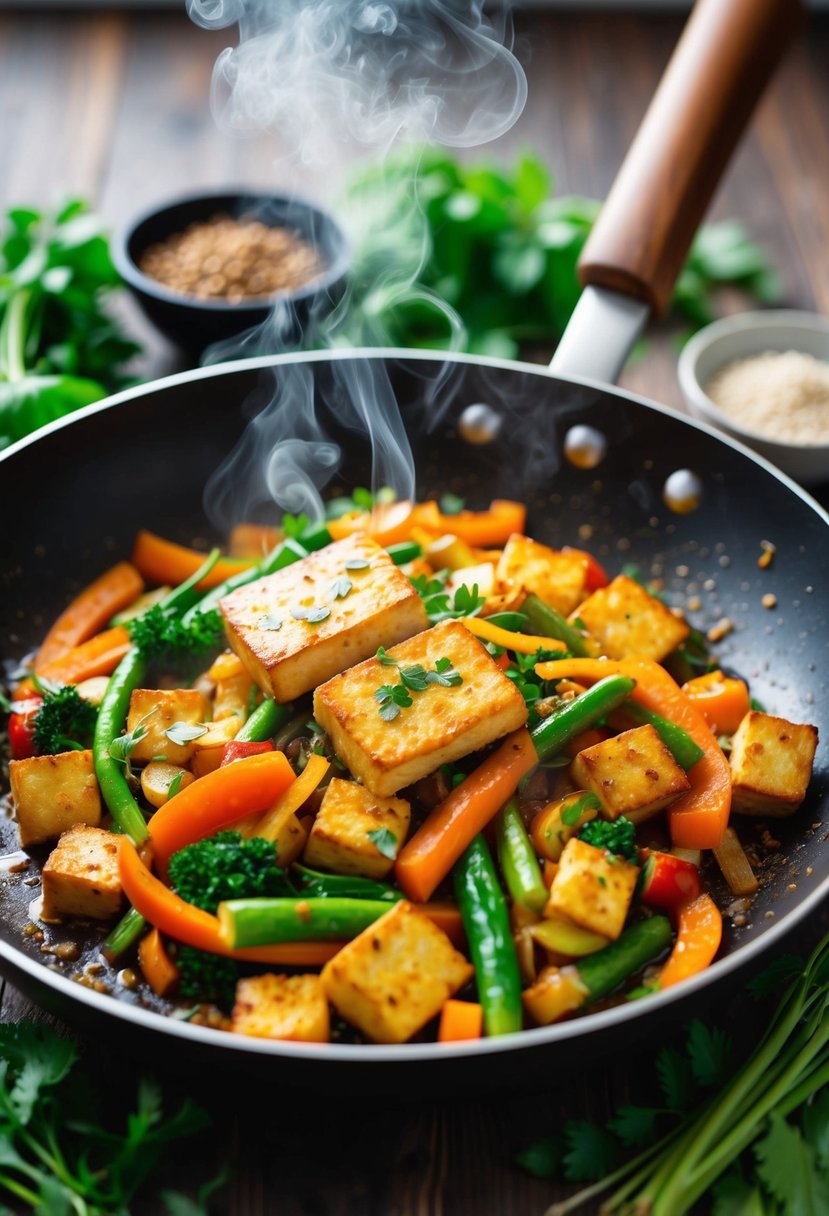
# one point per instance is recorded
(115, 108)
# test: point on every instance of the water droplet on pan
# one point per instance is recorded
(682, 491)
(585, 447)
(479, 424)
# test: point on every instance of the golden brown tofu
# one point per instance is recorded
(232, 697)
(440, 725)
(52, 793)
(626, 620)
(356, 832)
(80, 877)
(158, 709)
(593, 888)
(557, 992)
(394, 978)
(282, 1007)
(559, 579)
(634, 774)
(298, 627)
(771, 764)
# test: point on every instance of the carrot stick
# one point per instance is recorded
(698, 819)
(162, 561)
(159, 970)
(699, 932)
(218, 800)
(190, 925)
(448, 918)
(89, 612)
(460, 1020)
(438, 843)
(97, 657)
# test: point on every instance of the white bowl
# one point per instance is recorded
(741, 336)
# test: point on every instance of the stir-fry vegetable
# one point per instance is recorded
(412, 769)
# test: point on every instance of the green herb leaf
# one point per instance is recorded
(269, 622)
(357, 563)
(445, 674)
(635, 1125)
(710, 1052)
(122, 748)
(294, 525)
(341, 587)
(384, 841)
(676, 1079)
(312, 615)
(786, 1166)
(590, 1152)
(175, 785)
(415, 678)
(183, 733)
(450, 504)
(384, 658)
(542, 1158)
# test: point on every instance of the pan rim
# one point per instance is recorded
(536, 1037)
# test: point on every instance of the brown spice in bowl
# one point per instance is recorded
(232, 259)
(782, 394)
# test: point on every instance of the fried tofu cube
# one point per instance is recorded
(633, 774)
(291, 1007)
(441, 724)
(394, 978)
(296, 628)
(356, 832)
(156, 710)
(593, 888)
(625, 619)
(556, 993)
(53, 793)
(232, 697)
(80, 876)
(771, 764)
(559, 579)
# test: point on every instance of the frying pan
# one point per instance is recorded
(74, 496)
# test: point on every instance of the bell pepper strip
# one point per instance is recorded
(603, 972)
(699, 933)
(158, 968)
(723, 699)
(111, 773)
(667, 882)
(553, 625)
(482, 529)
(188, 924)
(387, 523)
(428, 856)
(89, 612)
(491, 948)
(285, 554)
(99, 656)
(264, 722)
(21, 726)
(698, 818)
(679, 743)
(264, 922)
(163, 561)
(460, 1021)
(517, 860)
(290, 800)
(595, 575)
(216, 801)
(236, 750)
(518, 643)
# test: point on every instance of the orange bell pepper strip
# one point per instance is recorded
(428, 856)
(217, 801)
(698, 819)
(699, 933)
(518, 643)
(388, 523)
(188, 924)
(159, 970)
(481, 529)
(99, 656)
(89, 612)
(460, 1020)
(162, 561)
(723, 699)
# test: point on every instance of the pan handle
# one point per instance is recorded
(728, 51)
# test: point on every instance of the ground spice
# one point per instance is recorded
(232, 259)
(781, 394)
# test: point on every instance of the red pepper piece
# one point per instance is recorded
(22, 727)
(668, 882)
(595, 575)
(239, 750)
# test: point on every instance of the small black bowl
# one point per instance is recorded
(193, 323)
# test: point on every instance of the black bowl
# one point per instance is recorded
(193, 323)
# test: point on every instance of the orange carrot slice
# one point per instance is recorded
(723, 700)
(89, 612)
(699, 933)
(162, 561)
(97, 657)
(460, 1020)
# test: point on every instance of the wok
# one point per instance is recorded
(74, 496)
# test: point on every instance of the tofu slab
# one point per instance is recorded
(367, 601)
(81, 877)
(441, 724)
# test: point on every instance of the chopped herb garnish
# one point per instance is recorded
(392, 698)
(183, 733)
(175, 785)
(312, 615)
(445, 674)
(341, 586)
(384, 841)
(269, 621)
(415, 678)
(439, 604)
(571, 815)
(122, 748)
(384, 658)
(294, 525)
(357, 563)
(450, 504)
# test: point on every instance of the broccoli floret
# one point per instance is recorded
(207, 977)
(159, 633)
(226, 866)
(64, 720)
(618, 837)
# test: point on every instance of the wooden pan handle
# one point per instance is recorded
(728, 51)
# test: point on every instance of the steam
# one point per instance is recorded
(318, 72)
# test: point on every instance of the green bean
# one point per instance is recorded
(111, 774)
(552, 625)
(609, 967)
(125, 934)
(571, 719)
(264, 922)
(517, 859)
(486, 921)
(405, 551)
(264, 722)
(315, 536)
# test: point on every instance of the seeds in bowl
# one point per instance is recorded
(232, 259)
(782, 394)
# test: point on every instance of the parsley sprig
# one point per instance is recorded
(443, 605)
(393, 697)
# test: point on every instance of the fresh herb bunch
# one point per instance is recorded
(59, 347)
(58, 1154)
(64, 720)
(487, 261)
(750, 1135)
(160, 633)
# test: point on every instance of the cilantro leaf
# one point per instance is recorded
(445, 674)
(294, 525)
(590, 1152)
(733, 1196)
(415, 678)
(676, 1079)
(816, 1128)
(384, 841)
(384, 658)
(542, 1158)
(787, 1168)
(710, 1052)
(183, 733)
(634, 1125)
(776, 976)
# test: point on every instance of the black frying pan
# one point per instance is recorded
(73, 498)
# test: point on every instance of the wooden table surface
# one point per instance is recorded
(114, 107)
